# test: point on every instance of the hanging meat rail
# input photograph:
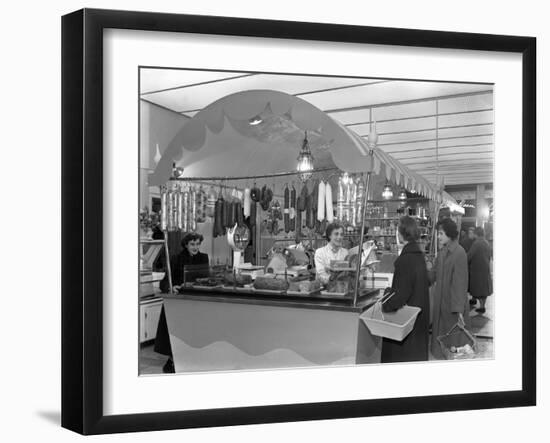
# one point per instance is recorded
(248, 177)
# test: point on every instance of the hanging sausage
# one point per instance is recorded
(359, 201)
(171, 203)
(286, 209)
(328, 203)
(298, 219)
(265, 197)
(310, 215)
(301, 202)
(352, 211)
(246, 203)
(211, 202)
(192, 210)
(255, 194)
(340, 201)
(314, 201)
(292, 211)
(201, 202)
(185, 211)
(321, 201)
(163, 209)
(239, 210)
(219, 216)
(178, 209)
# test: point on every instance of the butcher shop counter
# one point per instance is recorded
(215, 330)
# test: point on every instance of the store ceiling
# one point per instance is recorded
(405, 111)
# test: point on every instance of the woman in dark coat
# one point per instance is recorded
(479, 258)
(189, 255)
(450, 275)
(411, 286)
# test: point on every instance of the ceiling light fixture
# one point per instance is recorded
(402, 195)
(305, 161)
(387, 192)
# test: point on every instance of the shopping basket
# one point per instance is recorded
(458, 343)
(394, 325)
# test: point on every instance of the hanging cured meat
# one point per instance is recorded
(359, 201)
(301, 202)
(292, 211)
(163, 209)
(314, 203)
(321, 201)
(310, 215)
(239, 213)
(202, 202)
(227, 222)
(192, 210)
(286, 209)
(255, 194)
(211, 202)
(219, 217)
(352, 211)
(328, 203)
(184, 211)
(170, 210)
(340, 201)
(246, 203)
(265, 197)
(298, 220)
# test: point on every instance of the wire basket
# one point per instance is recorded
(454, 344)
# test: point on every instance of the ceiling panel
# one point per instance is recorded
(405, 113)
(161, 79)
(471, 103)
(388, 92)
(198, 97)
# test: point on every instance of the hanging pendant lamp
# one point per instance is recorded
(305, 161)
(387, 192)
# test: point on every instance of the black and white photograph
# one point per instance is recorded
(296, 221)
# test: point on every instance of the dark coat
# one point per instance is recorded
(479, 258)
(466, 243)
(411, 286)
(450, 274)
(177, 263)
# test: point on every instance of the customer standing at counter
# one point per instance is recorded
(410, 286)
(450, 275)
(332, 251)
(479, 258)
(189, 255)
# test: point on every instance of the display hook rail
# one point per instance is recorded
(248, 177)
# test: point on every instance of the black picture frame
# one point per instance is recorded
(82, 219)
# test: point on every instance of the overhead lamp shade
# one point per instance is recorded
(402, 195)
(387, 192)
(305, 162)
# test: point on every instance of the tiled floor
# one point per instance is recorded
(482, 326)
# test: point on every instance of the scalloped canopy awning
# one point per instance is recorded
(220, 141)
